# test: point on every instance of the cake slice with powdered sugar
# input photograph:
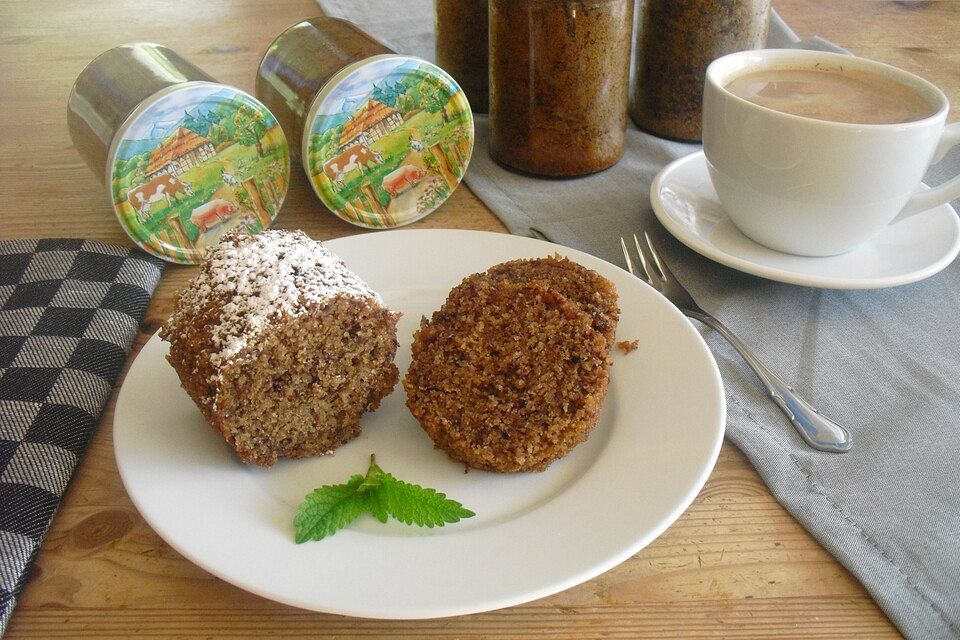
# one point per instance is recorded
(281, 346)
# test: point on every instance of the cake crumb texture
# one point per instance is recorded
(595, 294)
(511, 372)
(628, 346)
(281, 346)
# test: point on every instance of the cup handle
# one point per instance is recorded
(923, 199)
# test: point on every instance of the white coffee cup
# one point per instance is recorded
(815, 187)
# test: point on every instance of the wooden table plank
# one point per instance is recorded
(735, 565)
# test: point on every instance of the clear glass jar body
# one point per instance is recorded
(558, 84)
(112, 86)
(462, 46)
(676, 41)
(301, 60)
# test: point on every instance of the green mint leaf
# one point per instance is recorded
(372, 480)
(374, 469)
(330, 508)
(413, 504)
(355, 481)
(378, 506)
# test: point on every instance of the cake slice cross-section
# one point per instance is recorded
(281, 346)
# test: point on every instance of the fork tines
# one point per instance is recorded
(627, 258)
(648, 273)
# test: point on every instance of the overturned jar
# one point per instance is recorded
(186, 159)
(384, 138)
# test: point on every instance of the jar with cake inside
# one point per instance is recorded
(676, 42)
(462, 46)
(384, 137)
(558, 84)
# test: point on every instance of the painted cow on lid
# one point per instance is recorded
(355, 157)
(162, 187)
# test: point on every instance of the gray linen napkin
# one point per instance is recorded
(883, 362)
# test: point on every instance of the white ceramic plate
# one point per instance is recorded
(686, 203)
(534, 534)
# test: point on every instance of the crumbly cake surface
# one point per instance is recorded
(262, 277)
(594, 293)
(281, 346)
(628, 346)
(510, 375)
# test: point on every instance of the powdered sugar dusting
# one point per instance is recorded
(263, 277)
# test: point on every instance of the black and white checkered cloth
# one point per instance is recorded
(69, 311)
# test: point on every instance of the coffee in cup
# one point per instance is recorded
(835, 96)
(813, 153)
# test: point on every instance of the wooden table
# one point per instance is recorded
(734, 565)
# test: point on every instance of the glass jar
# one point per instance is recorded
(302, 59)
(558, 84)
(185, 159)
(462, 46)
(676, 41)
(384, 138)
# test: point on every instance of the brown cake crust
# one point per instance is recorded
(507, 376)
(281, 346)
(594, 293)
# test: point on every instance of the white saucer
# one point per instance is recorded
(686, 204)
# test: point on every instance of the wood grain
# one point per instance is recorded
(735, 565)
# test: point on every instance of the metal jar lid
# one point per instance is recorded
(186, 159)
(387, 140)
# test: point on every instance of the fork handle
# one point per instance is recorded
(817, 430)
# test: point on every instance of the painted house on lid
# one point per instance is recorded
(183, 150)
(370, 122)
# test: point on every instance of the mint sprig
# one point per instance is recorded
(332, 507)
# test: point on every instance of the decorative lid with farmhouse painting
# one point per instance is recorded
(387, 140)
(192, 162)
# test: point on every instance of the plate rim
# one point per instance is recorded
(711, 252)
(716, 430)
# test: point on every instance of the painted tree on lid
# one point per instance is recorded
(250, 127)
(433, 99)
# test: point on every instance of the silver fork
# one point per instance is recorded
(817, 430)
